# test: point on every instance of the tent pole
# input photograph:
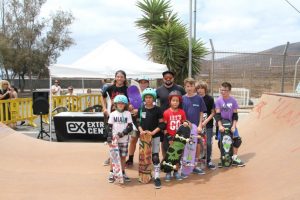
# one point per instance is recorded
(82, 84)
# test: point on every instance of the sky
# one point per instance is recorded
(243, 25)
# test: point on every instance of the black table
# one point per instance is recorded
(79, 125)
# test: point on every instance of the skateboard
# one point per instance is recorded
(188, 158)
(134, 96)
(173, 154)
(108, 108)
(226, 144)
(115, 158)
(108, 103)
(145, 158)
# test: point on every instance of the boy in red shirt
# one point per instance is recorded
(173, 117)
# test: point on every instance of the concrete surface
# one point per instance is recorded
(36, 169)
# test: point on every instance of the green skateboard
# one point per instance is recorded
(173, 155)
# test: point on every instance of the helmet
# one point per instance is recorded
(149, 91)
(121, 99)
(175, 93)
(143, 77)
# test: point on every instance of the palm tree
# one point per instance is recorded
(168, 44)
(167, 38)
(156, 13)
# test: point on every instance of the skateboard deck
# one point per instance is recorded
(134, 96)
(188, 158)
(114, 154)
(226, 144)
(108, 103)
(174, 153)
(145, 158)
(133, 82)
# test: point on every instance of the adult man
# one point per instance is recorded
(163, 92)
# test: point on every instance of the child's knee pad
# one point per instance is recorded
(237, 142)
(155, 158)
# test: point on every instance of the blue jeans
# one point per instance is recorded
(209, 141)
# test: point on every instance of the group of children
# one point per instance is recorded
(196, 106)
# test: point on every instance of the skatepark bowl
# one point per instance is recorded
(38, 169)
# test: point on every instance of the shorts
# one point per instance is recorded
(155, 145)
(235, 134)
(123, 149)
(135, 132)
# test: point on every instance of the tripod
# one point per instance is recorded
(42, 131)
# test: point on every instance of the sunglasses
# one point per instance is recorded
(168, 77)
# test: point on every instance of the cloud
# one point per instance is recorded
(227, 24)
(246, 25)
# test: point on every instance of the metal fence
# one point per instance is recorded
(259, 72)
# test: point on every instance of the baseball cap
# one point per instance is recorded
(168, 72)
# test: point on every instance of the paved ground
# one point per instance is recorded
(36, 169)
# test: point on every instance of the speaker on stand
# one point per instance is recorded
(40, 106)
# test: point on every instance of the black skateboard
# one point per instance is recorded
(226, 146)
(173, 155)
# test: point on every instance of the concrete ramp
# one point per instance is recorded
(36, 169)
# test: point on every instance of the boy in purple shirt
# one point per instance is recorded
(226, 108)
(193, 106)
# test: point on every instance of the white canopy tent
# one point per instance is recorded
(103, 62)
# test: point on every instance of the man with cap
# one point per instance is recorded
(164, 90)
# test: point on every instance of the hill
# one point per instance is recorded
(260, 71)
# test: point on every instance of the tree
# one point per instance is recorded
(156, 13)
(167, 38)
(30, 43)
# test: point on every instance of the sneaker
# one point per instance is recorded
(111, 177)
(211, 166)
(129, 162)
(126, 178)
(177, 176)
(168, 177)
(238, 162)
(220, 165)
(198, 170)
(184, 176)
(106, 162)
(157, 183)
